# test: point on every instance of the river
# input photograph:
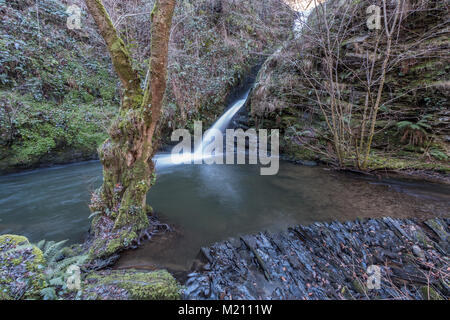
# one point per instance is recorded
(209, 203)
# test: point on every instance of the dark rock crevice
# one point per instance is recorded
(329, 261)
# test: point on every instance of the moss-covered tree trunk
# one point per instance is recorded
(126, 156)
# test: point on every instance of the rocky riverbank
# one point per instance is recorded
(320, 261)
(50, 272)
(329, 261)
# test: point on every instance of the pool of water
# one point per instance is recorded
(209, 203)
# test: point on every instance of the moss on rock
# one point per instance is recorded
(21, 268)
(130, 284)
(4, 296)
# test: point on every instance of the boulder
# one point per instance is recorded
(21, 268)
(130, 285)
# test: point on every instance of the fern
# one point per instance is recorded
(40, 244)
(48, 293)
(62, 265)
(52, 251)
(438, 154)
(56, 267)
(96, 213)
(57, 282)
(416, 132)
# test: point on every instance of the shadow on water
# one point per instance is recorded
(209, 203)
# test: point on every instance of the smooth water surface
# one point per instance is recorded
(209, 203)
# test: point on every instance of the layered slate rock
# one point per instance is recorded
(329, 261)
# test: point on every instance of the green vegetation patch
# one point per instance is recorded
(21, 268)
(57, 88)
(131, 284)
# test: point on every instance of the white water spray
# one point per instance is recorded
(221, 124)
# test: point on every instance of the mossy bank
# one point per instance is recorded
(57, 91)
(51, 271)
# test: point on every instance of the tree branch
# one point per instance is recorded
(155, 88)
(119, 54)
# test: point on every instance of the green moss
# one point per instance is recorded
(67, 90)
(4, 296)
(428, 293)
(358, 287)
(113, 246)
(102, 248)
(410, 93)
(97, 248)
(13, 240)
(423, 239)
(34, 278)
(410, 160)
(156, 285)
(302, 153)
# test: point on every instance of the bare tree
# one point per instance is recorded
(389, 29)
(329, 29)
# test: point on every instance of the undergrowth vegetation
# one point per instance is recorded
(38, 271)
(57, 92)
(59, 267)
(213, 45)
(323, 95)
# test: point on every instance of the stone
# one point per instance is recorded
(418, 252)
(21, 268)
(130, 284)
(322, 261)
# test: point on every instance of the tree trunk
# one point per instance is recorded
(128, 170)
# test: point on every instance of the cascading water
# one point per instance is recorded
(163, 160)
(301, 20)
(222, 123)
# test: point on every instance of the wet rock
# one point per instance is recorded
(418, 252)
(327, 261)
(439, 228)
(21, 268)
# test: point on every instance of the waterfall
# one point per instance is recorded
(300, 21)
(220, 125)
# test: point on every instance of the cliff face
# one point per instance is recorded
(412, 127)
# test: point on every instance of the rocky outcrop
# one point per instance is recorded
(330, 261)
